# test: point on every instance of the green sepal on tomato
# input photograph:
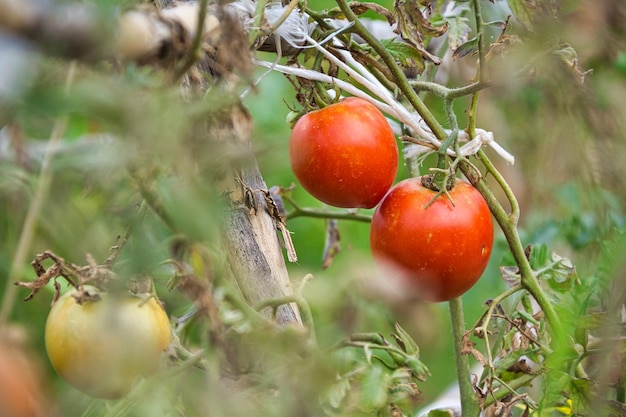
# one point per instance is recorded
(345, 154)
(440, 247)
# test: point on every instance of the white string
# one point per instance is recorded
(383, 99)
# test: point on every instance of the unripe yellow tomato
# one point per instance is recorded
(101, 347)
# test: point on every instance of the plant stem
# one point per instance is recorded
(508, 192)
(194, 51)
(448, 93)
(511, 386)
(478, 17)
(509, 228)
(324, 214)
(396, 72)
(34, 209)
(469, 402)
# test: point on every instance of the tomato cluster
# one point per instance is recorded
(345, 155)
(102, 344)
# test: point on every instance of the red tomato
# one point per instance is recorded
(345, 154)
(22, 392)
(441, 250)
(101, 347)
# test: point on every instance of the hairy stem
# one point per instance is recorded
(396, 72)
(509, 228)
(469, 401)
(448, 93)
(508, 192)
(324, 214)
(478, 17)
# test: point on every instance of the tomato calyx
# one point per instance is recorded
(438, 183)
(441, 182)
(83, 295)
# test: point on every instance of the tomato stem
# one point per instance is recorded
(528, 279)
(469, 401)
(396, 72)
(323, 213)
(478, 17)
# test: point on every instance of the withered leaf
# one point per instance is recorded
(413, 25)
(511, 275)
(362, 7)
(467, 347)
(521, 367)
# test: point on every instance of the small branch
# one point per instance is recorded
(303, 306)
(323, 213)
(327, 214)
(448, 93)
(511, 386)
(482, 325)
(194, 51)
(480, 29)
(506, 188)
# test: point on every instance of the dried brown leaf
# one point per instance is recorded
(412, 26)
(362, 7)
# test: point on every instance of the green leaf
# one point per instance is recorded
(374, 389)
(526, 316)
(406, 341)
(420, 371)
(562, 275)
(412, 26)
(338, 392)
(538, 256)
(466, 48)
(521, 13)
(458, 31)
(403, 53)
(526, 11)
(440, 413)
(527, 303)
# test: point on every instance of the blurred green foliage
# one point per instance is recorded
(569, 175)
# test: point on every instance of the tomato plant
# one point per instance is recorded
(151, 164)
(440, 246)
(345, 154)
(101, 343)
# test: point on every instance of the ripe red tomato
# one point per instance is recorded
(22, 388)
(441, 250)
(345, 154)
(101, 347)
